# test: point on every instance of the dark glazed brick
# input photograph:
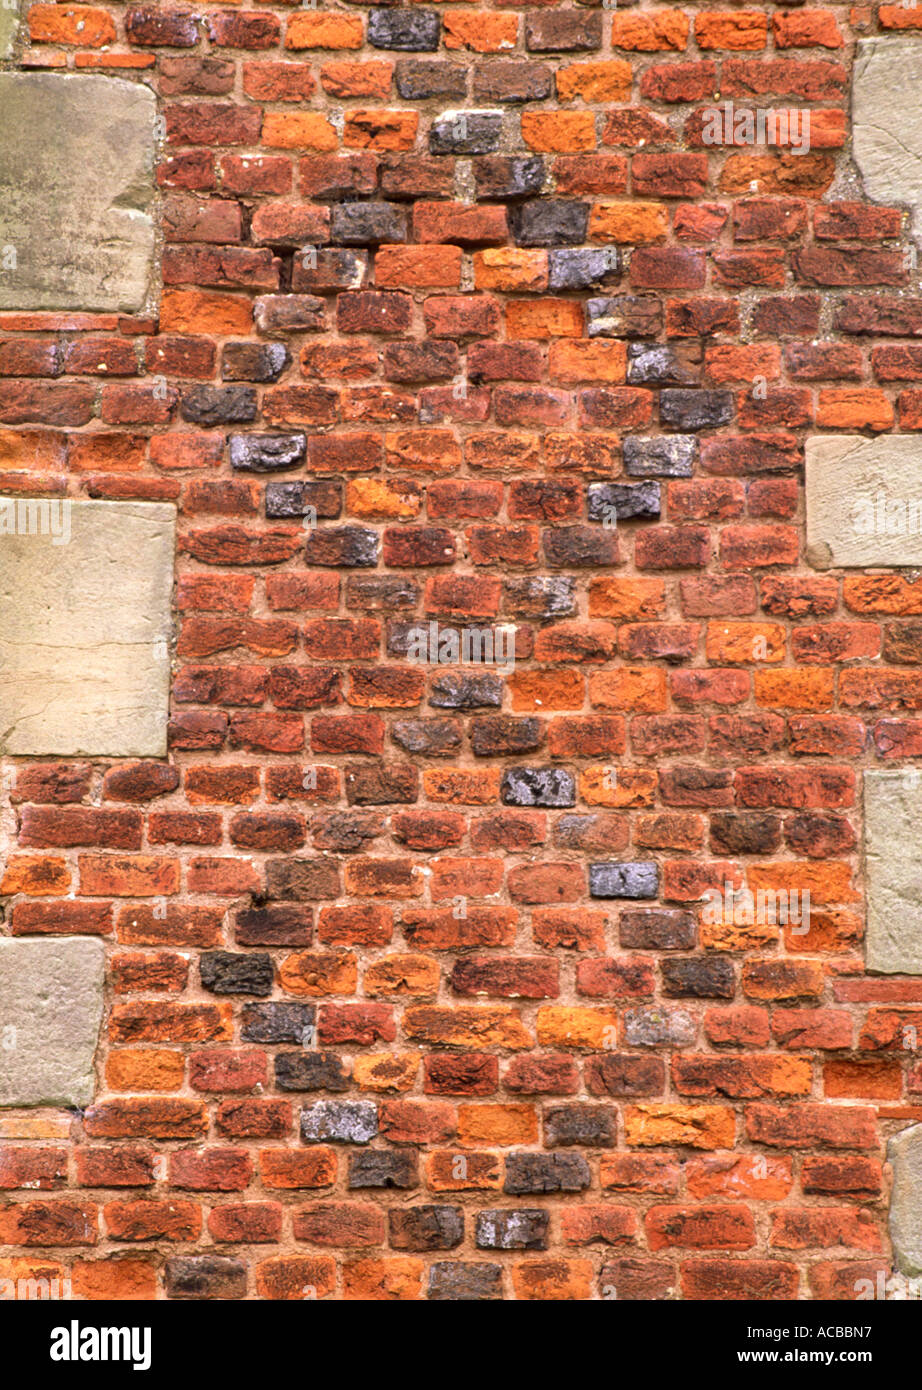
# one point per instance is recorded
(451, 1280)
(278, 1023)
(522, 1229)
(695, 410)
(666, 456)
(293, 497)
(637, 880)
(590, 1125)
(508, 176)
(419, 78)
(225, 972)
(512, 81)
(254, 361)
(265, 453)
(310, 1071)
(409, 31)
(347, 547)
(657, 929)
(536, 1172)
(693, 978)
(454, 691)
(218, 405)
(205, 1276)
(563, 31)
(549, 222)
(466, 132)
(623, 500)
(625, 316)
(366, 224)
(383, 1168)
(431, 1227)
(538, 786)
(582, 269)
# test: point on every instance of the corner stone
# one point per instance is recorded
(76, 191)
(85, 594)
(864, 501)
(887, 121)
(904, 1153)
(51, 998)
(892, 816)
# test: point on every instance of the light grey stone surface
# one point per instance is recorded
(887, 121)
(893, 869)
(864, 501)
(51, 998)
(85, 628)
(624, 880)
(9, 21)
(347, 1121)
(904, 1153)
(76, 191)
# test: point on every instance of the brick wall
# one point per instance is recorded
(414, 988)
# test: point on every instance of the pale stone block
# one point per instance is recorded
(864, 501)
(51, 999)
(85, 594)
(893, 870)
(9, 22)
(887, 121)
(76, 191)
(904, 1152)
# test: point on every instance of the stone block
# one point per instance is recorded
(51, 999)
(864, 501)
(887, 121)
(893, 871)
(76, 191)
(904, 1153)
(9, 22)
(85, 591)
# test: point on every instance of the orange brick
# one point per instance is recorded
(631, 224)
(324, 31)
(393, 1279)
(650, 31)
(509, 268)
(632, 600)
(381, 130)
(144, 1069)
(79, 25)
(745, 642)
(497, 1125)
(559, 132)
(483, 33)
(559, 1025)
(855, 408)
(581, 360)
(553, 1281)
(39, 875)
(639, 690)
(595, 82)
(418, 267)
(692, 1126)
(197, 311)
(386, 1071)
(795, 689)
(617, 786)
(546, 690)
(382, 497)
(298, 130)
(746, 29)
(544, 318)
